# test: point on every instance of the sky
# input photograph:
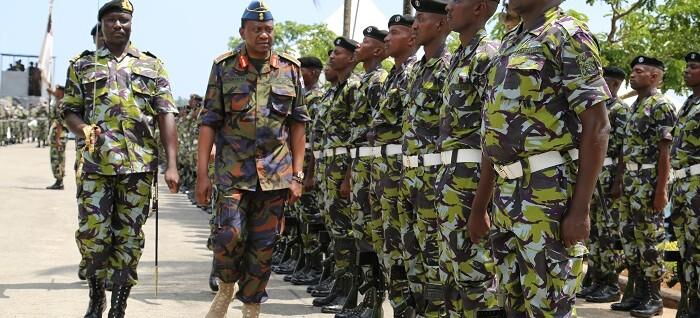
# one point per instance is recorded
(186, 35)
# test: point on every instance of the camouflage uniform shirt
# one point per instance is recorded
(337, 118)
(121, 96)
(686, 135)
(386, 123)
(319, 126)
(367, 97)
(617, 114)
(650, 122)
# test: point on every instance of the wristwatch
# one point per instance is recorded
(298, 177)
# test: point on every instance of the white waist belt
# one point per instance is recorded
(693, 170)
(536, 163)
(608, 162)
(637, 167)
(463, 156)
(427, 160)
(389, 150)
(362, 152)
(307, 145)
(318, 154)
(335, 152)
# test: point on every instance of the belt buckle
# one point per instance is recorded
(505, 172)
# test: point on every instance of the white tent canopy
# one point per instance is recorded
(370, 14)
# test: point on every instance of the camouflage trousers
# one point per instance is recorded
(467, 270)
(538, 276)
(57, 152)
(642, 228)
(686, 207)
(604, 255)
(304, 210)
(245, 232)
(420, 237)
(339, 213)
(386, 180)
(42, 131)
(365, 207)
(111, 213)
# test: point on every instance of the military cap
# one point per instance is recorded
(614, 72)
(405, 20)
(375, 33)
(649, 61)
(693, 57)
(311, 62)
(257, 11)
(348, 44)
(430, 6)
(115, 6)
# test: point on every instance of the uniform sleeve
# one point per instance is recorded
(300, 112)
(665, 119)
(73, 101)
(163, 101)
(213, 103)
(582, 73)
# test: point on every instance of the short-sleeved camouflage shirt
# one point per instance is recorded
(686, 135)
(318, 139)
(121, 95)
(539, 83)
(251, 112)
(386, 124)
(651, 121)
(337, 119)
(460, 114)
(367, 97)
(424, 99)
(617, 114)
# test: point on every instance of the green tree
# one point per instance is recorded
(299, 39)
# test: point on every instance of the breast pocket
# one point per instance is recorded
(281, 97)
(237, 96)
(523, 79)
(144, 88)
(94, 84)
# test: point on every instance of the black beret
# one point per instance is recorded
(311, 62)
(375, 33)
(650, 61)
(348, 44)
(257, 11)
(614, 72)
(693, 57)
(93, 32)
(115, 5)
(405, 20)
(430, 6)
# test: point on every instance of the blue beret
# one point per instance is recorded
(257, 11)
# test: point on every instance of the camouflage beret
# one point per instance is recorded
(649, 61)
(405, 20)
(311, 62)
(430, 6)
(348, 44)
(375, 33)
(257, 11)
(614, 72)
(115, 6)
(693, 57)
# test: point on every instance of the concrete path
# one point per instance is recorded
(38, 255)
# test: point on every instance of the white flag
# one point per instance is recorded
(46, 57)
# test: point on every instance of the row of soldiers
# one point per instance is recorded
(396, 174)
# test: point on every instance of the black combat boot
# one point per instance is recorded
(341, 283)
(632, 296)
(299, 268)
(609, 291)
(652, 305)
(120, 293)
(98, 299)
(213, 281)
(58, 185)
(315, 269)
(590, 283)
(347, 298)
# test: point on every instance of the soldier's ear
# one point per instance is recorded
(240, 30)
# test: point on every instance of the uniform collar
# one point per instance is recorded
(550, 16)
(243, 62)
(473, 44)
(130, 50)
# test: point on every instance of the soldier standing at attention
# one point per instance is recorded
(466, 269)
(113, 97)
(544, 104)
(644, 173)
(58, 138)
(421, 161)
(685, 154)
(605, 259)
(255, 112)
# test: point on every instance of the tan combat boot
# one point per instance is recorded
(219, 306)
(251, 310)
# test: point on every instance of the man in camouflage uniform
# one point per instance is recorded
(423, 100)
(544, 101)
(41, 132)
(685, 154)
(646, 165)
(385, 136)
(255, 111)
(113, 97)
(58, 138)
(466, 269)
(605, 258)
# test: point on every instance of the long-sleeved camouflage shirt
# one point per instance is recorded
(367, 97)
(617, 114)
(686, 135)
(121, 95)
(651, 121)
(251, 112)
(539, 83)
(460, 114)
(319, 125)
(337, 119)
(386, 124)
(424, 99)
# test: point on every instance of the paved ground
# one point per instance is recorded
(39, 258)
